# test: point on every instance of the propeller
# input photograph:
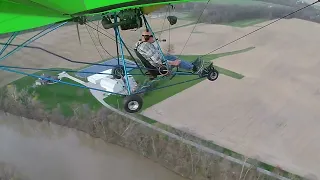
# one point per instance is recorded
(79, 20)
(78, 33)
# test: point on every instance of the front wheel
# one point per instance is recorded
(213, 75)
(132, 103)
(118, 72)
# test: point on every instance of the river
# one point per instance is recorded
(42, 151)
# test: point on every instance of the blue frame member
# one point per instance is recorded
(147, 49)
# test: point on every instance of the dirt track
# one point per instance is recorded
(272, 113)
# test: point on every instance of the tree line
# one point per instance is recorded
(225, 13)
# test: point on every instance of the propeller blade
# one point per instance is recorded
(78, 33)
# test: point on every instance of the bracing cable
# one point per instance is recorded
(262, 27)
(58, 70)
(112, 35)
(94, 43)
(77, 71)
(70, 60)
(164, 20)
(102, 44)
(117, 43)
(57, 55)
(99, 31)
(55, 80)
(195, 26)
(169, 41)
(105, 34)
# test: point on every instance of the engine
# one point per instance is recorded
(126, 19)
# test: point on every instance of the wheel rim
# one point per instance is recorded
(160, 69)
(133, 105)
(118, 72)
(213, 75)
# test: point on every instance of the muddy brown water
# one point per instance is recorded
(46, 151)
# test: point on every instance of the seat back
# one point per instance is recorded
(151, 69)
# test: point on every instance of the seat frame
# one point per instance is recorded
(152, 70)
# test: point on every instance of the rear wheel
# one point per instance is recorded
(118, 72)
(132, 103)
(213, 75)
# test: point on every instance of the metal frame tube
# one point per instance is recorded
(149, 28)
(58, 70)
(62, 82)
(31, 40)
(12, 37)
(122, 55)
(70, 60)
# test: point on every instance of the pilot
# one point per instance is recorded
(148, 50)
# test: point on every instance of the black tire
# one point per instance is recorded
(163, 70)
(213, 75)
(132, 103)
(118, 72)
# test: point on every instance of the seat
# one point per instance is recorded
(153, 71)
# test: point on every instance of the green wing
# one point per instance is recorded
(19, 15)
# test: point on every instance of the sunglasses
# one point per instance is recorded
(147, 35)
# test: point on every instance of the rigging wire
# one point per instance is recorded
(195, 26)
(83, 86)
(164, 20)
(62, 57)
(169, 43)
(101, 42)
(58, 81)
(99, 31)
(112, 35)
(94, 43)
(105, 34)
(262, 27)
(80, 62)
(80, 72)
(59, 70)
(117, 43)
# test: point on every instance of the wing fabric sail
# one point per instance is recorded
(19, 15)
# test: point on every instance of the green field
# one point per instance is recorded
(58, 94)
(246, 23)
(64, 96)
(156, 96)
(240, 23)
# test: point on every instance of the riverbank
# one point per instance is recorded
(173, 149)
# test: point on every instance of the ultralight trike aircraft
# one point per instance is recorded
(120, 15)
